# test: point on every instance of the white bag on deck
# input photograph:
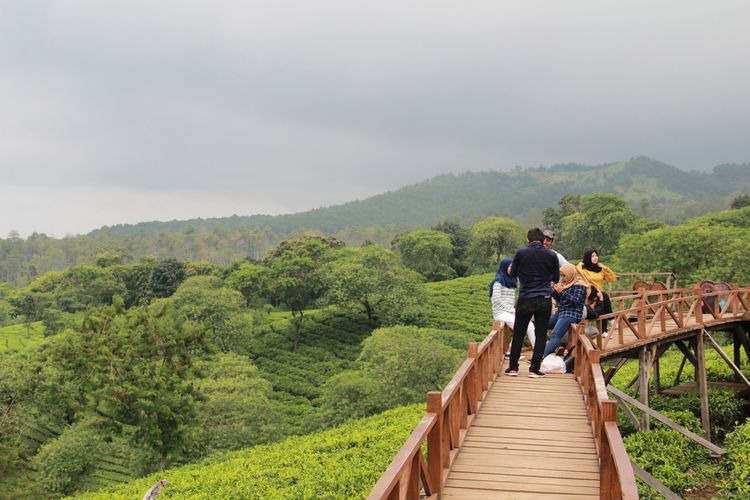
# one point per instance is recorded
(553, 364)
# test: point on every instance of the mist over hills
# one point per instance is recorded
(655, 188)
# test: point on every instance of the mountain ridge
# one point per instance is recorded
(469, 196)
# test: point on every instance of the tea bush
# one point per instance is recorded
(736, 484)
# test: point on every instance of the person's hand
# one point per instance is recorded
(600, 295)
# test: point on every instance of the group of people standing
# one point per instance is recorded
(545, 274)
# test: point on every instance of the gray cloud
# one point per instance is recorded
(287, 105)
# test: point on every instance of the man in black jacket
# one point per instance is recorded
(536, 268)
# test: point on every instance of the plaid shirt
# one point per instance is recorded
(570, 302)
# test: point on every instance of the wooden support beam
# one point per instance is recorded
(655, 354)
(717, 347)
(717, 450)
(686, 351)
(679, 371)
(700, 355)
(745, 340)
(612, 370)
(629, 413)
(650, 480)
(644, 368)
(737, 345)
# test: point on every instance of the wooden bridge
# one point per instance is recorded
(504, 437)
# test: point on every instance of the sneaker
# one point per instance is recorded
(605, 334)
(511, 373)
(536, 374)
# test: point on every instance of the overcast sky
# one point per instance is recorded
(126, 111)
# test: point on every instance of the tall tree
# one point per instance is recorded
(460, 238)
(491, 239)
(373, 278)
(428, 253)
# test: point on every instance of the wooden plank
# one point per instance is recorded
(542, 450)
(578, 455)
(529, 412)
(531, 423)
(468, 493)
(525, 461)
(537, 445)
(650, 480)
(586, 444)
(693, 387)
(524, 471)
(538, 479)
(669, 423)
(566, 434)
(525, 487)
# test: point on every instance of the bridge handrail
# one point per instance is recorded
(681, 305)
(616, 478)
(449, 414)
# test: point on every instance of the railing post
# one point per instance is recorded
(607, 474)
(735, 299)
(475, 374)
(642, 313)
(698, 298)
(435, 442)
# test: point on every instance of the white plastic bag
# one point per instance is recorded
(553, 364)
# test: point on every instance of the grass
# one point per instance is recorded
(21, 336)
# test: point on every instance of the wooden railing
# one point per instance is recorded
(443, 428)
(616, 479)
(647, 312)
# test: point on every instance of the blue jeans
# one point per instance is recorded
(559, 329)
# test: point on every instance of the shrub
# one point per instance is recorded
(670, 457)
(737, 481)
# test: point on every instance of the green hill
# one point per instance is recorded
(472, 195)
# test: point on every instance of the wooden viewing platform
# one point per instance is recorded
(515, 438)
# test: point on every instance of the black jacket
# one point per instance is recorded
(535, 267)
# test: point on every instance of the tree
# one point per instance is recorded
(235, 411)
(428, 253)
(603, 218)
(397, 366)
(553, 217)
(167, 276)
(460, 238)
(252, 281)
(83, 286)
(491, 239)
(371, 277)
(294, 265)
(693, 251)
(215, 311)
(741, 201)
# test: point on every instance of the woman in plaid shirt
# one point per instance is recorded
(570, 293)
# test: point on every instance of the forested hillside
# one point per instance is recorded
(649, 188)
(470, 195)
(114, 370)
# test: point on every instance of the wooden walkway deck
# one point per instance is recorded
(531, 438)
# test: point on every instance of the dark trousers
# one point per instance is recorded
(540, 308)
(602, 308)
